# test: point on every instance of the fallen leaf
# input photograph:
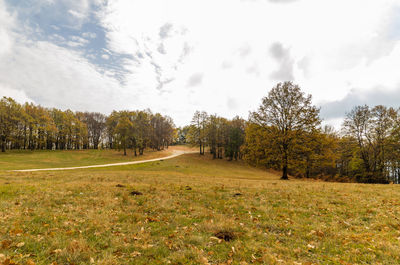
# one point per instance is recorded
(20, 244)
(16, 232)
(56, 251)
(5, 244)
(9, 262)
(30, 262)
(135, 254)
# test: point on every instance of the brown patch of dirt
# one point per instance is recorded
(225, 235)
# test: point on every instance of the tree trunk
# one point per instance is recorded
(25, 137)
(3, 145)
(285, 165)
(284, 173)
(200, 148)
(308, 168)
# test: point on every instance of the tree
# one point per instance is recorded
(372, 130)
(287, 113)
(123, 129)
(356, 125)
(10, 116)
(140, 135)
(198, 129)
(260, 148)
(315, 153)
(235, 140)
(393, 151)
(95, 123)
(182, 135)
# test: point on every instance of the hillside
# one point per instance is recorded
(193, 210)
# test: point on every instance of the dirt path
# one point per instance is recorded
(175, 154)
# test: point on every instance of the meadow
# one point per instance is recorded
(23, 159)
(188, 210)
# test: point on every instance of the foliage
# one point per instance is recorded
(37, 128)
(283, 134)
(374, 132)
(223, 137)
(289, 115)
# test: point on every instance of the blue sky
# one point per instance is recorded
(57, 23)
(176, 57)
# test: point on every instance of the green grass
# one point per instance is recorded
(51, 159)
(81, 217)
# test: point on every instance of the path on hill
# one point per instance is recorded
(175, 154)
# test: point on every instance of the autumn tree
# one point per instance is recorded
(182, 135)
(96, 124)
(260, 147)
(371, 129)
(10, 114)
(315, 154)
(393, 151)
(288, 113)
(198, 129)
(123, 129)
(141, 130)
(235, 131)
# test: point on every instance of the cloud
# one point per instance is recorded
(285, 63)
(226, 65)
(377, 96)
(232, 103)
(55, 76)
(156, 52)
(45, 12)
(195, 80)
(76, 41)
(90, 35)
(165, 30)
(245, 50)
(161, 49)
(282, 1)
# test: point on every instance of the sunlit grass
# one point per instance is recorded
(51, 159)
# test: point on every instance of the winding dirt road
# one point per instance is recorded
(175, 154)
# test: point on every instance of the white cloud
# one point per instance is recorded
(220, 56)
(57, 77)
(54, 76)
(330, 46)
(90, 35)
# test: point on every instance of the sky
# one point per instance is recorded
(179, 56)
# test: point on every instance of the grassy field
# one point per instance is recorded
(52, 159)
(193, 210)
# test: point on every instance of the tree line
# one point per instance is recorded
(221, 136)
(33, 127)
(285, 134)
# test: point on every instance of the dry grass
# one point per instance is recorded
(189, 207)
